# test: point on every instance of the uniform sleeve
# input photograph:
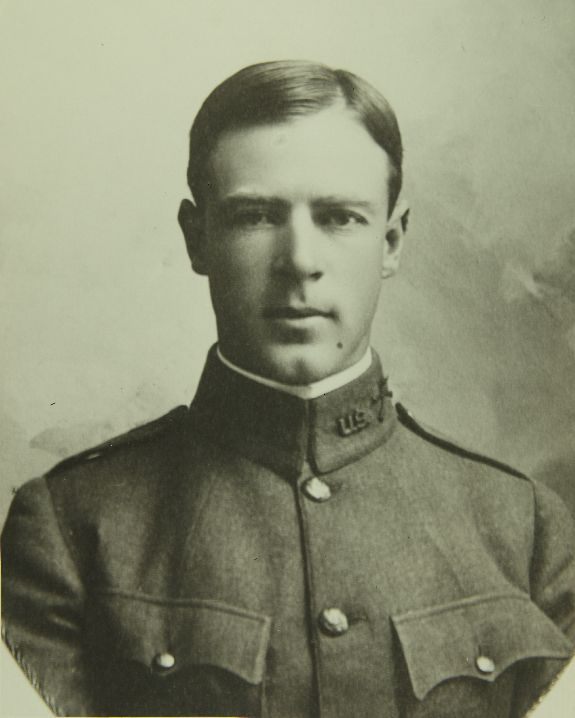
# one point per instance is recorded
(43, 603)
(553, 562)
(552, 586)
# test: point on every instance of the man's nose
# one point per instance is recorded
(299, 247)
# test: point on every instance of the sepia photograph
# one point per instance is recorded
(287, 381)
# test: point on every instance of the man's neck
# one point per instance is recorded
(307, 391)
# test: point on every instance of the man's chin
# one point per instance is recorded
(302, 365)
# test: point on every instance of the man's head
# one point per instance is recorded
(295, 170)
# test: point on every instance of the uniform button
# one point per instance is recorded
(333, 621)
(164, 661)
(93, 455)
(316, 489)
(485, 664)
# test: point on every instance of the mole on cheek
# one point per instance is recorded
(339, 345)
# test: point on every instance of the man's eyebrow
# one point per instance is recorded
(242, 199)
(342, 200)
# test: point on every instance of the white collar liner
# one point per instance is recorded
(307, 391)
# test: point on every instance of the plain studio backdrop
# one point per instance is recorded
(104, 326)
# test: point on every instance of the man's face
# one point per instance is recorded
(293, 241)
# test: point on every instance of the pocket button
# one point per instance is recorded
(485, 664)
(164, 661)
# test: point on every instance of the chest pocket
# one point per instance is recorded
(178, 657)
(478, 638)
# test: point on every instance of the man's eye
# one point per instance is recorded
(340, 218)
(253, 218)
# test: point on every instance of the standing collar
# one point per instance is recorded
(307, 391)
(282, 431)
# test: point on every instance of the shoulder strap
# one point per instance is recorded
(409, 421)
(149, 430)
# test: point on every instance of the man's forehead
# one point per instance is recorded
(330, 149)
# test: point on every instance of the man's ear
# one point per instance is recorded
(394, 234)
(191, 221)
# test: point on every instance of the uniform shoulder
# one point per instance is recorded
(139, 435)
(432, 436)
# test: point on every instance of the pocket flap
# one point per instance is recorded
(168, 635)
(477, 637)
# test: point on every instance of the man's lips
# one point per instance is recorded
(295, 313)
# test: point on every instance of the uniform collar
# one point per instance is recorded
(282, 431)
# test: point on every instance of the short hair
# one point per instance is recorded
(273, 92)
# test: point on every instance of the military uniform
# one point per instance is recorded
(262, 555)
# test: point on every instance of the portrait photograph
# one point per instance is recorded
(287, 367)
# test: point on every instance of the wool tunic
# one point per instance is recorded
(257, 554)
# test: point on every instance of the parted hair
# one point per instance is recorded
(273, 92)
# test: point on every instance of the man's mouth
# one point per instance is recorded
(295, 313)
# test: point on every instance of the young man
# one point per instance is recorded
(293, 544)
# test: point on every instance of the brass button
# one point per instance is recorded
(316, 489)
(485, 664)
(164, 661)
(333, 621)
